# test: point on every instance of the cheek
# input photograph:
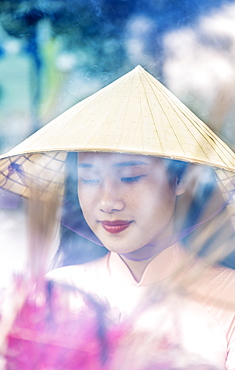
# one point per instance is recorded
(86, 200)
(159, 202)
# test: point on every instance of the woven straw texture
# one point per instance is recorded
(134, 114)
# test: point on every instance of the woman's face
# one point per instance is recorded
(126, 199)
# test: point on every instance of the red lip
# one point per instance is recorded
(115, 227)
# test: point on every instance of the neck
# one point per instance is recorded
(149, 251)
(137, 261)
(136, 268)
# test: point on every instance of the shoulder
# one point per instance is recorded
(211, 291)
(213, 288)
(205, 281)
(214, 283)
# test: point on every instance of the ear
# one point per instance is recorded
(180, 187)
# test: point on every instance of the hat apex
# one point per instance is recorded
(134, 114)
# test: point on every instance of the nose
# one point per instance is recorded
(110, 198)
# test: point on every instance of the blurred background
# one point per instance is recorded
(54, 53)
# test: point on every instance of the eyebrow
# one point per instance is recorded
(130, 163)
(120, 164)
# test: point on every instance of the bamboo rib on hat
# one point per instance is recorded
(134, 114)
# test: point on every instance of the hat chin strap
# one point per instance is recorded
(150, 250)
(147, 251)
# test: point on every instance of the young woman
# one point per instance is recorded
(130, 204)
(154, 187)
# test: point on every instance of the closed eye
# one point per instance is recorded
(132, 179)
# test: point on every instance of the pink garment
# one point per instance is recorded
(198, 313)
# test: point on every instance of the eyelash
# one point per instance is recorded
(132, 179)
(127, 180)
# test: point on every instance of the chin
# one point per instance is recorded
(121, 249)
(116, 249)
(118, 243)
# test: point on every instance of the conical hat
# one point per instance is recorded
(135, 114)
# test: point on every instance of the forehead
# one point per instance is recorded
(116, 159)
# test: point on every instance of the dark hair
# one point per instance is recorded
(206, 224)
(76, 249)
(175, 170)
